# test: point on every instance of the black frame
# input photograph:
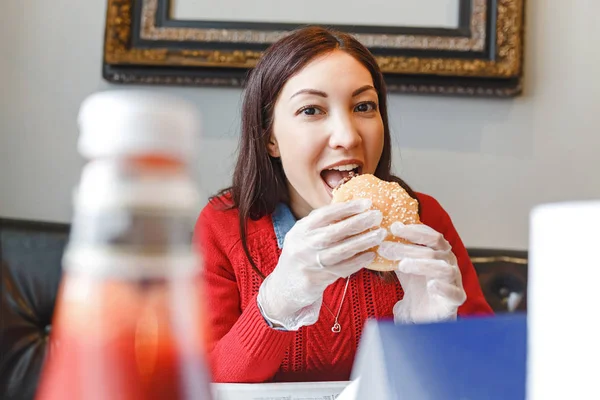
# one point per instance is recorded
(135, 53)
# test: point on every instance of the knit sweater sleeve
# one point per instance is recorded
(242, 347)
(438, 219)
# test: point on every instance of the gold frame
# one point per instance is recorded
(125, 62)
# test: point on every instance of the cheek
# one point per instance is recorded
(298, 154)
(291, 136)
(373, 138)
(299, 163)
(300, 145)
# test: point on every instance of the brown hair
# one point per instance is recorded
(259, 182)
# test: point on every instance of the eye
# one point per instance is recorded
(310, 111)
(367, 106)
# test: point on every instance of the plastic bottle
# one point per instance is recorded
(129, 318)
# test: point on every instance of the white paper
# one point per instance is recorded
(278, 391)
(351, 391)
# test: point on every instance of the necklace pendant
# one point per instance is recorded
(336, 328)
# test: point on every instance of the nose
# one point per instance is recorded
(344, 133)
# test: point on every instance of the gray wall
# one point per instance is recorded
(487, 161)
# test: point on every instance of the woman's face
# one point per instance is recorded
(326, 124)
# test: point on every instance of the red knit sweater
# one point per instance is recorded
(243, 348)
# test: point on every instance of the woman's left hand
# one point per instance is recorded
(428, 272)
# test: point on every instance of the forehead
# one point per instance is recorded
(336, 70)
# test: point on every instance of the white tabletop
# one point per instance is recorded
(278, 391)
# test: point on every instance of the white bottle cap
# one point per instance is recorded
(134, 122)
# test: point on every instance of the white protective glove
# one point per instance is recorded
(319, 249)
(428, 272)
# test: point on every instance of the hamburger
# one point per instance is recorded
(390, 198)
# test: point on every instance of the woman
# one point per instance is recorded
(286, 286)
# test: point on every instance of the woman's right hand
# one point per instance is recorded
(328, 244)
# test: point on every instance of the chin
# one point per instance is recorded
(321, 199)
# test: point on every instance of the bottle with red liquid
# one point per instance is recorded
(129, 317)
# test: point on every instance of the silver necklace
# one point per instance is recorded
(337, 328)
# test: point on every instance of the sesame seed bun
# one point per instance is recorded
(388, 197)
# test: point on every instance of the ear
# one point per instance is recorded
(273, 147)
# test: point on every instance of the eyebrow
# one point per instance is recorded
(323, 94)
(362, 89)
(309, 91)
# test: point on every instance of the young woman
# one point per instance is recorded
(286, 286)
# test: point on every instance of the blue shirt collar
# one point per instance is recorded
(283, 221)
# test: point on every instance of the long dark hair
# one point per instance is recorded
(259, 182)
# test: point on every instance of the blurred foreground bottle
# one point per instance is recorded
(129, 318)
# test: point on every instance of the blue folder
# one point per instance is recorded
(481, 358)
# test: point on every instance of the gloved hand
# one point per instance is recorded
(428, 272)
(318, 250)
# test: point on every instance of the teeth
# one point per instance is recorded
(348, 167)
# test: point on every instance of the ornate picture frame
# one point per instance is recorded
(483, 56)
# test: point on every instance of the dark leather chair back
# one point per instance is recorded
(503, 278)
(30, 257)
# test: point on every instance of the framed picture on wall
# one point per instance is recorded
(455, 47)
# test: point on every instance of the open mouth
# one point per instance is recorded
(335, 176)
